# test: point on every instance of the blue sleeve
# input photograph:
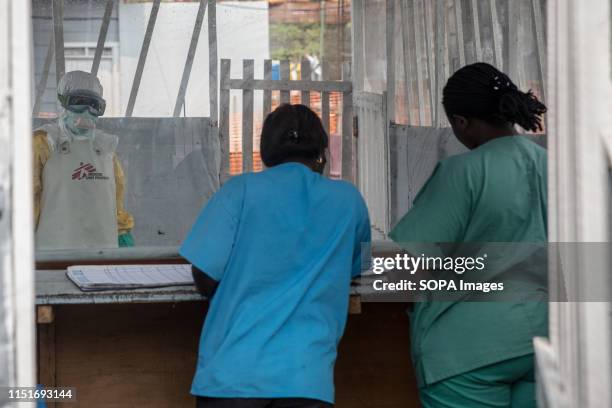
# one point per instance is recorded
(209, 244)
(362, 237)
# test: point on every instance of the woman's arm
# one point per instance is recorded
(204, 283)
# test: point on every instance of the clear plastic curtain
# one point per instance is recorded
(434, 38)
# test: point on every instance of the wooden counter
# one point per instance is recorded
(134, 348)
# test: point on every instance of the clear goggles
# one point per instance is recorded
(80, 102)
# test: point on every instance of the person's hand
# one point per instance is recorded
(126, 240)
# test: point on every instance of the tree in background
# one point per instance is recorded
(294, 41)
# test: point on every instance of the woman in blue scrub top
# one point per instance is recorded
(475, 354)
(275, 252)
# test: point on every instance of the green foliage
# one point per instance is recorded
(294, 41)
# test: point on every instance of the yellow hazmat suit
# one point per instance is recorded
(125, 221)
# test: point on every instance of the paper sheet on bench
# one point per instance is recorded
(107, 277)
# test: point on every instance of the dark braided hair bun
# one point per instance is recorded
(482, 91)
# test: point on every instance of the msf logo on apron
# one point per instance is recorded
(78, 203)
(87, 171)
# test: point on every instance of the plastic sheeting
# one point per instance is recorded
(431, 39)
(414, 153)
(172, 168)
(408, 49)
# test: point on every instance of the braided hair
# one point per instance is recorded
(481, 91)
(292, 132)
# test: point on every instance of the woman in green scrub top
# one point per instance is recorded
(476, 354)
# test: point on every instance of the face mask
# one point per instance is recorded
(80, 124)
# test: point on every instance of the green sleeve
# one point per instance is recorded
(126, 240)
(441, 209)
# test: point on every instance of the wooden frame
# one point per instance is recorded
(248, 84)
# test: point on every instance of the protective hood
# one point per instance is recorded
(80, 81)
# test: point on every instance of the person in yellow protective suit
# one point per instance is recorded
(78, 181)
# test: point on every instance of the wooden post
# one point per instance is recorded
(267, 94)
(305, 76)
(325, 120)
(355, 304)
(248, 73)
(285, 96)
(347, 128)
(224, 118)
(45, 320)
(45, 314)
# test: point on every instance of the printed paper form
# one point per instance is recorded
(101, 277)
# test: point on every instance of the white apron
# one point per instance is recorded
(78, 204)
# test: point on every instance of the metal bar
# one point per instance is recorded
(325, 119)
(285, 95)
(305, 75)
(357, 29)
(411, 103)
(431, 68)
(538, 27)
(44, 77)
(477, 46)
(390, 54)
(58, 33)
(248, 72)
(441, 53)
(495, 37)
(267, 94)
(108, 12)
(514, 41)
(224, 113)
(212, 61)
(418, 61)
(325, 95)
(193, 45)
(142, 59)
(286, 86)
(347, 128)
(459, 25)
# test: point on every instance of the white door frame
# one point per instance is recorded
(16, 220)
(574, 364)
